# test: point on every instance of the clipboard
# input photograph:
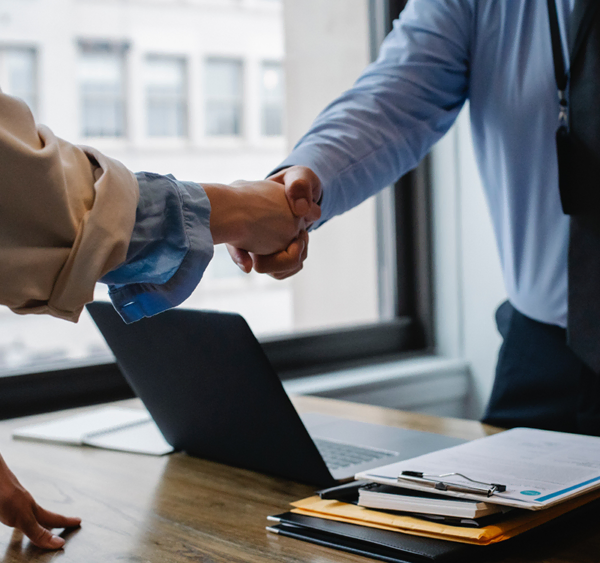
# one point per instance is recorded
(537, 469)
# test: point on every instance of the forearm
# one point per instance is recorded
(71, 216)
(228, 216)
(399, 107)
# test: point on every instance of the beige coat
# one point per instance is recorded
(66, 216)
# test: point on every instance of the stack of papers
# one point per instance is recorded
(545, 474)
(513, 525)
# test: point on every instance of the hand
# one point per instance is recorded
(252, 216)
(19, 510)
(303, 190)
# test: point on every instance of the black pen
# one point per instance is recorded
(348, 492)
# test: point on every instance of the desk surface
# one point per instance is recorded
(180, 509)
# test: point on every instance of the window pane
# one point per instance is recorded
(165, 96)
(224, 97)
(272, 99)
(101, 86)
(18, 74)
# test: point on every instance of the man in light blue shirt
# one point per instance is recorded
(498, 55)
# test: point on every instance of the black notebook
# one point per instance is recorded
(393, 547)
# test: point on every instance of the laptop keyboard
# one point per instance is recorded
(338, 455)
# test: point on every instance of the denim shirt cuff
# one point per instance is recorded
(170, 249)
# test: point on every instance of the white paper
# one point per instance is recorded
(538, 467)
(73, 429)
(143, 438)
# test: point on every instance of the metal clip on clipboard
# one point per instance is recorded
(435, 482)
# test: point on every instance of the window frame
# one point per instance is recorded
(120, 49)
(406, 299)
(264, 104)
(6, 46)
(184, 63)
(240, 106)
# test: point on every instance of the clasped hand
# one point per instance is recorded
(277, 240)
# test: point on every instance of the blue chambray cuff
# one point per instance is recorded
(170, 249)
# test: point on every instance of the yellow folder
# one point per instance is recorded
(513, 525)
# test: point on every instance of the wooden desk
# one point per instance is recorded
(180, 509)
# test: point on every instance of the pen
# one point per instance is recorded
(347, 492)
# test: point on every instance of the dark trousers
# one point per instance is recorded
(540, 383)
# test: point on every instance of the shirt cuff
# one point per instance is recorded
(170, 248)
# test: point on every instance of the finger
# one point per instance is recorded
(303, 257)
(304, 235)
(39, 535)
(241, 257)
(284, 275)
(314, 214)
(52, 520)
(280, 262)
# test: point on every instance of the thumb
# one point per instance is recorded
(40, 536)
(241, 258)
(302, 188)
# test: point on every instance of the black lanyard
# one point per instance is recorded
(582, 19)
(560, 71)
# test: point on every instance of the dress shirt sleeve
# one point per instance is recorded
(170, 248)
(399, 107)
(66, 216)
(70, 216)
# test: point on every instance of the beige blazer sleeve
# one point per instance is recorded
(66, 216)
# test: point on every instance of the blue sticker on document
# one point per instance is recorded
(531, 493)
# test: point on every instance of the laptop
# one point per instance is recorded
(212, 392)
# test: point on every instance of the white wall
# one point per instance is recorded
(468, 280)
(327, 46)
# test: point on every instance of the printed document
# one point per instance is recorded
(539, 468)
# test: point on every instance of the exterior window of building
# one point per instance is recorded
(102, 90)
(166, 99)
(272, 99)
(224, 97)
(18, 74)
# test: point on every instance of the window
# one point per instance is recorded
(225, 83)
(18, 74)
(102, 90)
(272, 98)
(166, 100)
(224, 97)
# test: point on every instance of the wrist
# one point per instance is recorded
(227, 213)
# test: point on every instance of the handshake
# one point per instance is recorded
(264, 223)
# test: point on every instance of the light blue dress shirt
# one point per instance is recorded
(498, 55)
(170, 248)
